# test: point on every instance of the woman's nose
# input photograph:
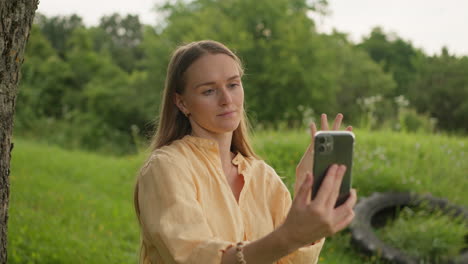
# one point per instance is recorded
(226, 97)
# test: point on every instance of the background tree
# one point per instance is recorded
(440, 88)
(58, 29)
(397, 57)
(44, 78)
(16, 17)
(121, 37)
(358, 77)
(435, 85)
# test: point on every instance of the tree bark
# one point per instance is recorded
(16, 17)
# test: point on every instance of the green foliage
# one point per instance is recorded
(411, 121)
(429, 236)
(113, 73)
(83, 201)
(362, 82)
(44, 75)
(441, 89)
(397, 115)
(383, 161)
(120, 37)
(58, 29)
(435, 85)
(397, 57)
(84, 100)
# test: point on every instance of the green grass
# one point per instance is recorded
(71, 207)
(76, 207)
(384, 161)
(430, 236)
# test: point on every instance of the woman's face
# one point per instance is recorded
(213, 95)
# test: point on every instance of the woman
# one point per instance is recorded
(203, 196)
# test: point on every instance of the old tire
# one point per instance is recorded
(373, 211)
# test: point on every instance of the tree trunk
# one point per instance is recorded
(16, 17)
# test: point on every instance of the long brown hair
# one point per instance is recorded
(172, 123)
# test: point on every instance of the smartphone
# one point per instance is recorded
(333, 147)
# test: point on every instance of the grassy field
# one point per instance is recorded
(76, 207)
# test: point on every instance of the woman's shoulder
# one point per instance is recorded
(171, 151)
(169, 155)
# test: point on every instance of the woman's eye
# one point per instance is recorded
(208, 92)
(233, 85)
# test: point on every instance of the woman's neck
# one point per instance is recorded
(224, 141)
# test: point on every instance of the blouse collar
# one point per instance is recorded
(239, 160)
(201, 142)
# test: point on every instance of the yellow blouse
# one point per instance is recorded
(189, 214)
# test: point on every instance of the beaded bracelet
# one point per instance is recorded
(239, 253)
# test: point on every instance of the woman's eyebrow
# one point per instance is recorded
(233, 77)
(213, 82)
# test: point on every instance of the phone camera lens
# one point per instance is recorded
(322, 140)
(321, 148)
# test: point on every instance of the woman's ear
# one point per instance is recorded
(180, 103)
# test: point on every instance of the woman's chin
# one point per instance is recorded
(227, 127)
(218, 126)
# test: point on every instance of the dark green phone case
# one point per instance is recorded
(333, 147)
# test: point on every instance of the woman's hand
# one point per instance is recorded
(307, 159)
(311, 220)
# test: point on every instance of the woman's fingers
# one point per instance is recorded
(330, 188)
(303, 195)
(306, 162)
(345, 213)
(322, 219)
(327, 185)
(337, 122)
(344, 222)
(352, 199)
(313, 130)
(324, 122)
(335, 192)
(308, 189)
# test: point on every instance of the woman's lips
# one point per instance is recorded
(226, 114)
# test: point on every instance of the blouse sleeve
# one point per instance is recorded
(304, 255)
(171, 217)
